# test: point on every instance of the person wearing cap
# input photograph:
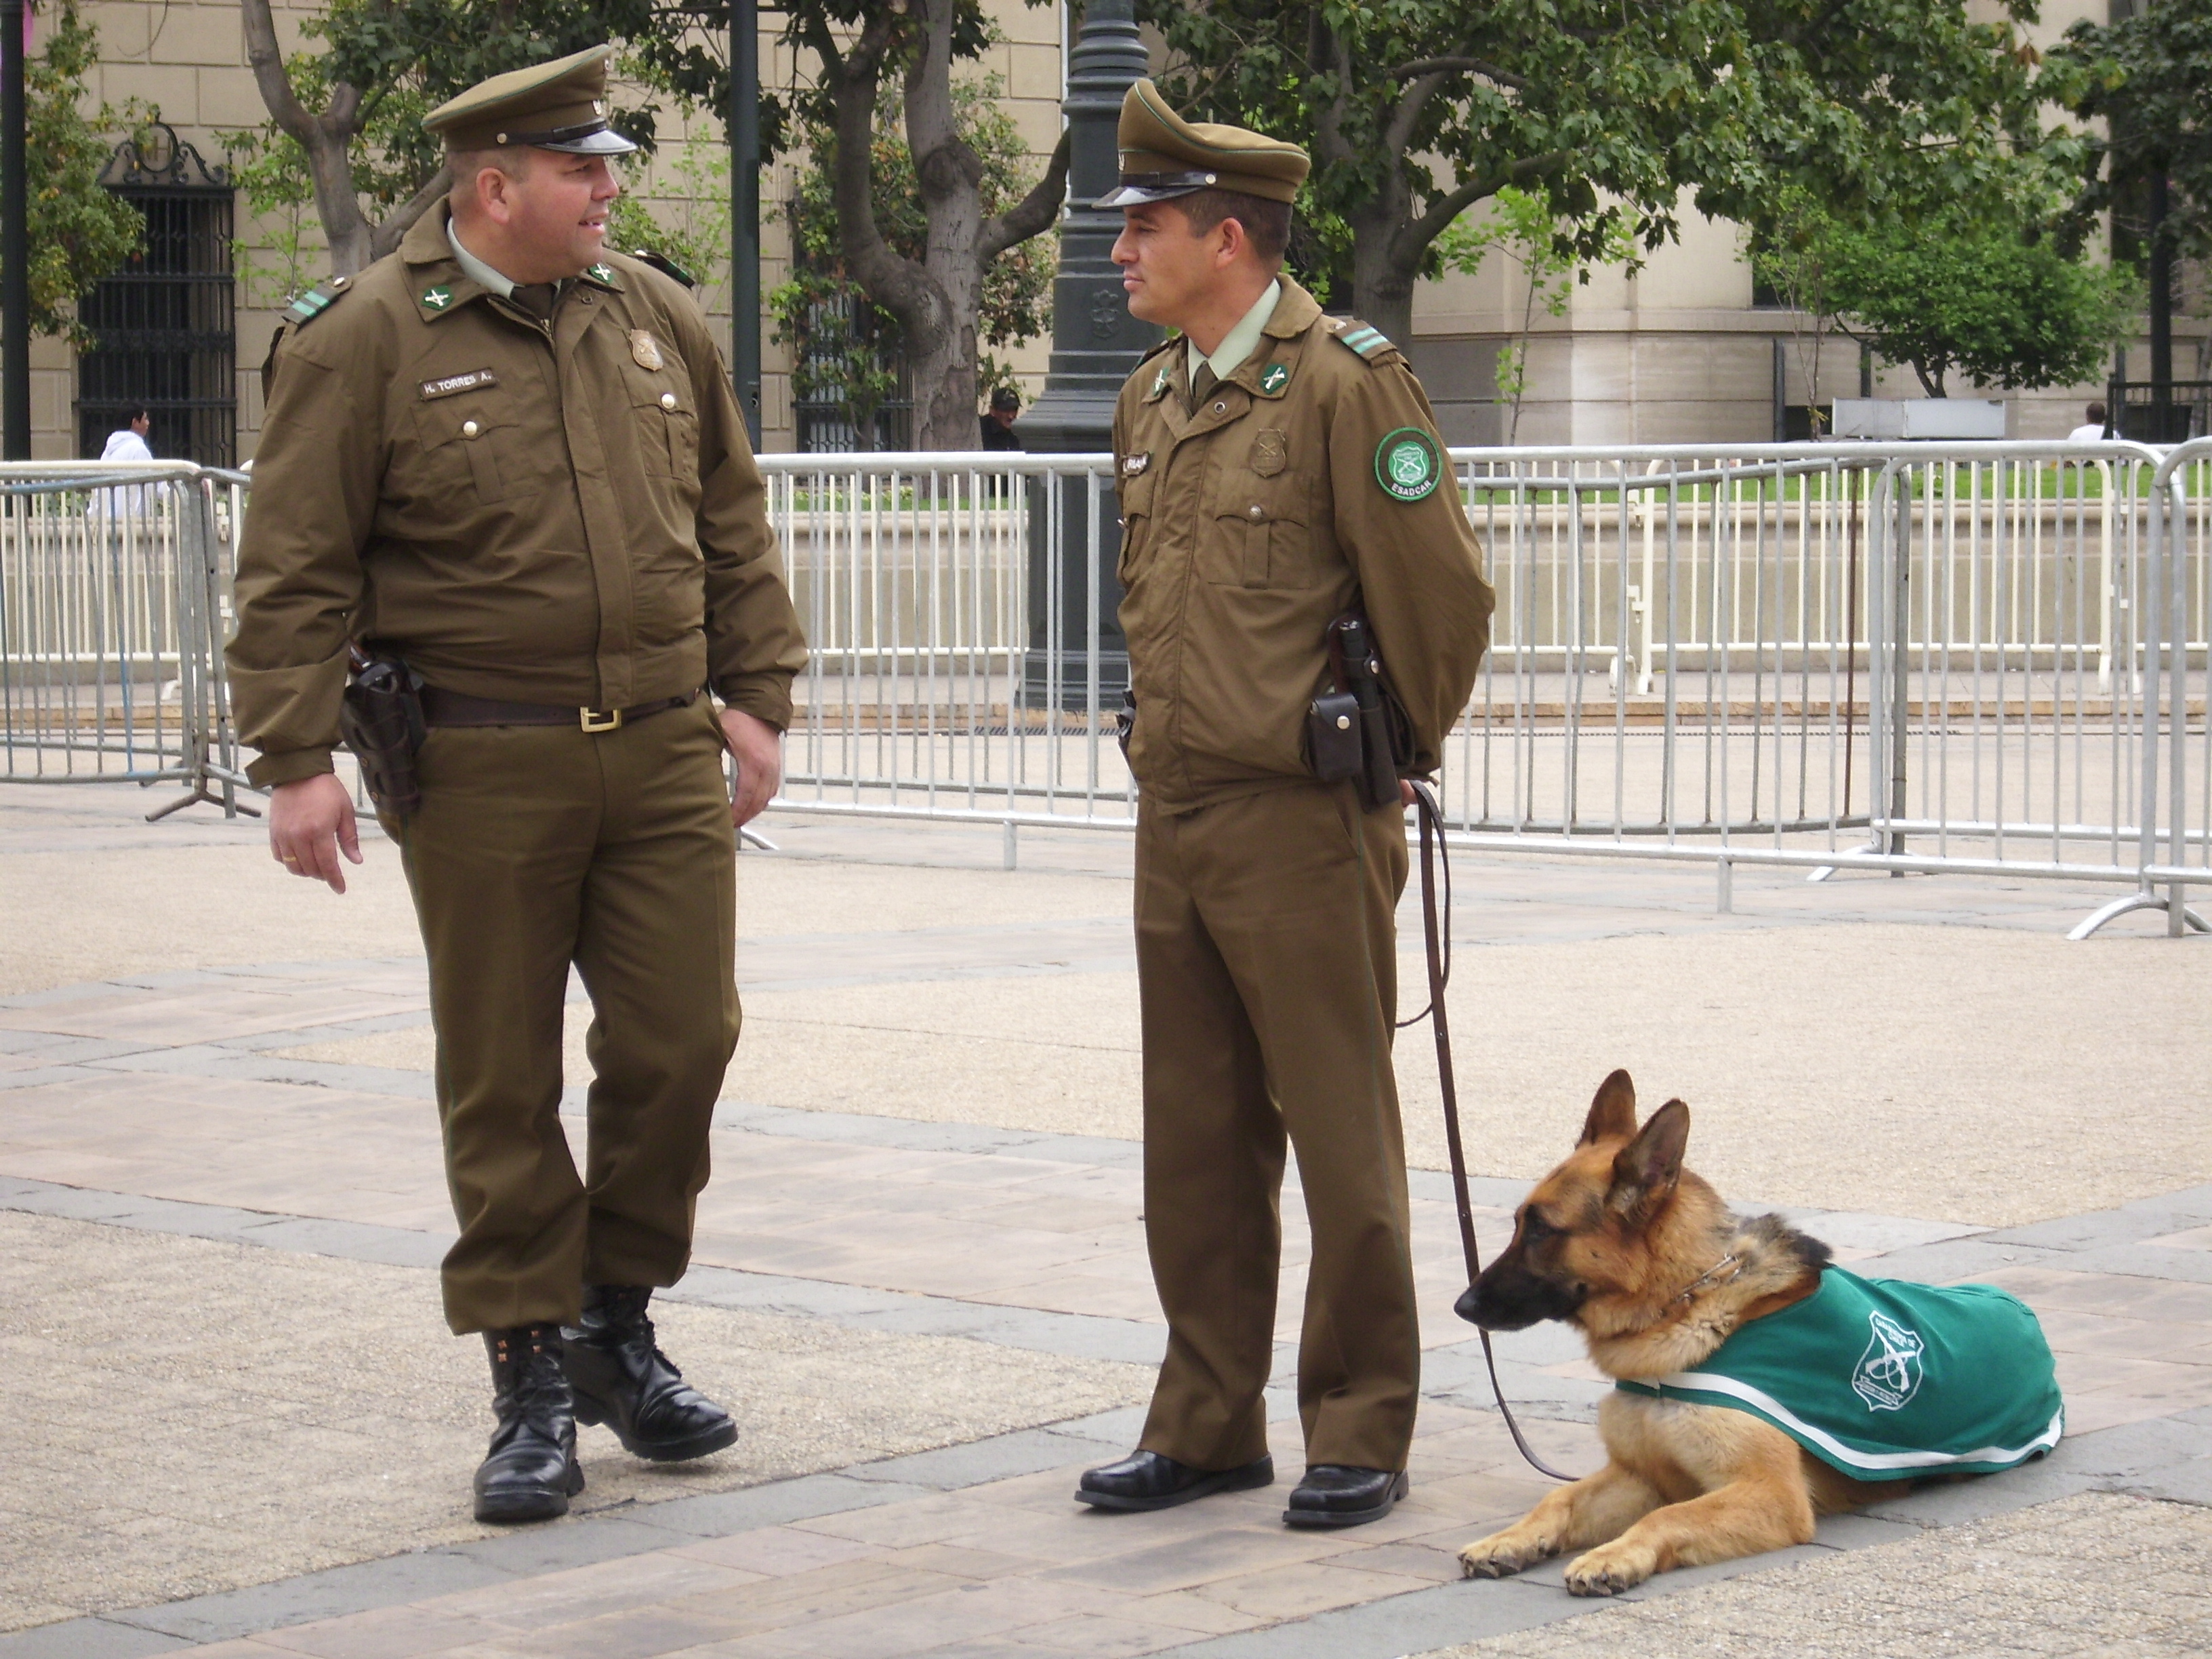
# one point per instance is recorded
(512, 459)
(999, 419)
(1277, 468)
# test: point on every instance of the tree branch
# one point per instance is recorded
(1398, 133)
(1422, 66)
(1414, 238)
(267, 59)
(401, 219)
(1033, 214)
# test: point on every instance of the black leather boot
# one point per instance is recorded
(1146, 1481)
(621, 1379)
(1338, 1495)
(531, 1472)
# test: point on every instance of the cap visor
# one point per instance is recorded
(1131, 195)
(607, 143)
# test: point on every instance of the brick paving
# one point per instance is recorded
(173, 1103)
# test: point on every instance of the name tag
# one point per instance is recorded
(452, 383)
(1132, 464)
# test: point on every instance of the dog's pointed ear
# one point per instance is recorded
(1612, 1114)
(1646, 1169)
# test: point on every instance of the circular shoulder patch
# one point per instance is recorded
(1407, 464)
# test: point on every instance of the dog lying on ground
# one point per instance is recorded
(1757, 1384)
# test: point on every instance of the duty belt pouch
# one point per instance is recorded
(1333, 732)
(1356, 668)
(381, 721)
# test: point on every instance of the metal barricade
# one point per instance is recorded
(957, 670)
(114, 579)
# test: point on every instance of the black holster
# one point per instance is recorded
(381, 721)
(1354, 730)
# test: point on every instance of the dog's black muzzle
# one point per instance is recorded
(1509, 1298)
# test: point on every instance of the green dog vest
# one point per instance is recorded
(1885, 1379)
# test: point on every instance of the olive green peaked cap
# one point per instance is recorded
(1164, 156)
(560, 105)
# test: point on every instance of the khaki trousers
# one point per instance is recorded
(1267, 963)
(536, 848)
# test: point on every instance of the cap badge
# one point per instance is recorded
(600, 273)
(1274, 377)
(1408, 464)
(643, 351)
(437, 298)
(1132, 464)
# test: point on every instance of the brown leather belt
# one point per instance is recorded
(460, 709)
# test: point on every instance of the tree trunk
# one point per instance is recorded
(1382, 286)
(951, 175)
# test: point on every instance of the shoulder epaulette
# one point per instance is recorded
(316, 300)
(665, 265)
(1370, 343)
(1172, 340)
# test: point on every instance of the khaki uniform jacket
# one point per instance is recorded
(560, 513)
(1248, 526)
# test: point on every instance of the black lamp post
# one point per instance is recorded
(1096, 344)
(14, 244)
(744, 210)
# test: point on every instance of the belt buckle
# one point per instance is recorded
(597, 720)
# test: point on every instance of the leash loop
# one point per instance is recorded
(1438, 938)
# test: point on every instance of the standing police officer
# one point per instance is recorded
(514, 460)
(1277, 469)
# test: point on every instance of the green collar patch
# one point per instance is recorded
(437, 296)
(1159, 382)
(601, 273)
(1408, 464)
(1274, 377)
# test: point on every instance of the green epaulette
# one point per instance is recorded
(316, 300)
(666, 266)
(1370, 343)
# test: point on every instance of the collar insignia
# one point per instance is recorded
(1274, 377)
(1159, 383)
(437, 298)
(600, 273)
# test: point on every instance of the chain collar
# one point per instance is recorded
(1704, 1278)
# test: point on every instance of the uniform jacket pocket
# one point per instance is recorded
(1136, 522)
(469, 442)
(1256, 532)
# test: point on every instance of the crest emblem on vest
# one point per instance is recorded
(1408, 464)
(1271, 452)
(437, 298)
(1274, 377)
(644, 351)
(1890, 1371)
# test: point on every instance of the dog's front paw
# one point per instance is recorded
(1611, 1568)
(1504, 1554)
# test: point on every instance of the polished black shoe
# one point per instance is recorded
(1146, 1481)
(1338, 1495)
(622, 1380)
(531, 1472)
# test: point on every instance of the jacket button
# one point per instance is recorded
(668, 400)
(469, 428)
(1258, 512)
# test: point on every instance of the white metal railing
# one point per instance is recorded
(1961, 657)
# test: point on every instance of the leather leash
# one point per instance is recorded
(1438, 935)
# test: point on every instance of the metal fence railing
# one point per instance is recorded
(1972, 657)
(114, 584)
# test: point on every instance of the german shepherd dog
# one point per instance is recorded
(1643, 1257)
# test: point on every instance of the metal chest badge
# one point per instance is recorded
(1408, 464)
(643, 351)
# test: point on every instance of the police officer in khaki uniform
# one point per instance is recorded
(1277, 469)
(514, 458)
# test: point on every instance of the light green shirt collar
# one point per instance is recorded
(1239, 343)
(476, 270)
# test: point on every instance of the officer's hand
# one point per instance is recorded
(758, 748)
(1404, 792)
(310, 823)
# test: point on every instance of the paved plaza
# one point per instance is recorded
(233, 1423)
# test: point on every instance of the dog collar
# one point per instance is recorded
(1704, 1278)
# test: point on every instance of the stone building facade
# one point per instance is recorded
(1679, 352)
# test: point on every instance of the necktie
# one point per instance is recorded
(1201, 384)
(537, 298)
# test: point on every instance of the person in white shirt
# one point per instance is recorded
(2093, 432)
(128, 443)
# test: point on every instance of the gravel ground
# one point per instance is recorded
(178, 1416)
(2099, 1576)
